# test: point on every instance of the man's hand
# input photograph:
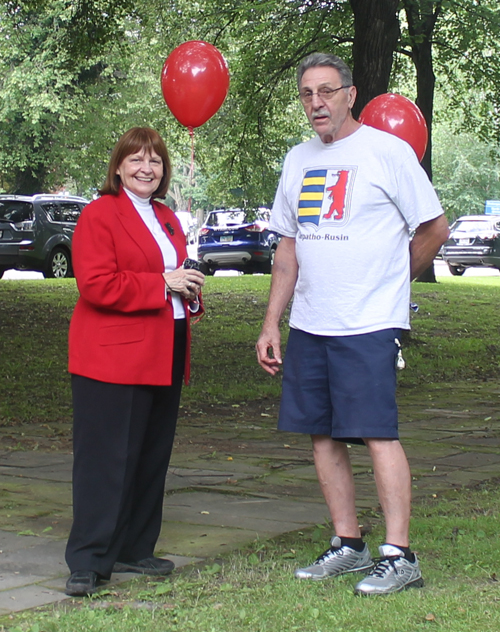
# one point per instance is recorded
(285, 271)
(268, 349)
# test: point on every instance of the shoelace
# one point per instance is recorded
(327, 554)
(383, 565)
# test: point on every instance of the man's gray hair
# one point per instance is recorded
(325, 59)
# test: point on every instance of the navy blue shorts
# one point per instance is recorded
(341, 386)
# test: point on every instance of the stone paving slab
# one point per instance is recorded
(26, 597)
(202, 541)
(44, 591)
(27, 559)
(460, 478)
(33, 571)
(473, 441)
(471, 460)
(265, 516)
(39, 465)
(181, 478)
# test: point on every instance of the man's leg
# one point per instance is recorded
(398, 567)
(333, 467)
(393, 480)
(347, 552)
(306, 406)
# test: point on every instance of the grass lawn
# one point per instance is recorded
(455, 337)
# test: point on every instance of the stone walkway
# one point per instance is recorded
(261, 484)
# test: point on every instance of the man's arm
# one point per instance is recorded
(285, 271)
(428, 239)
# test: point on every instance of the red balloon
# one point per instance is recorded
(194, 82)
(397, 115)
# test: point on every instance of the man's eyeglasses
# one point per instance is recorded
(325, 94)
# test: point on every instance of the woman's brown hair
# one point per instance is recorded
(132, 142)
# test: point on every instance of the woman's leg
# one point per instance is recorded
(107, 438)
(144, 520)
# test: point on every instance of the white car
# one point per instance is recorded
(188, 224)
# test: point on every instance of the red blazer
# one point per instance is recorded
(122, 329)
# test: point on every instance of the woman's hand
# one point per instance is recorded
(186, 281)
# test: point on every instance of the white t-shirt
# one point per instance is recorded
(350, 206)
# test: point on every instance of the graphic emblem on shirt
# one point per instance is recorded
(325, 196)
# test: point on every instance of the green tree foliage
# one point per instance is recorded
(466, 171)
(446, 42)
(261, 119)
(44, 90)
(453, 44)
(62, 111)
(35, 95)
(75, 75)
(466, 47)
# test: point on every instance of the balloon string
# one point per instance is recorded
(191, 169)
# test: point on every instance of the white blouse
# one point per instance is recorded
(146, 211)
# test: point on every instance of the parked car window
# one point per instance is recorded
(16, 212)
(222, 219)
(471, 226)
(63, 212)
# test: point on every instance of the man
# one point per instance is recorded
(345, 204)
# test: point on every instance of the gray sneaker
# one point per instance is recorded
(392, 573)
(337, 560)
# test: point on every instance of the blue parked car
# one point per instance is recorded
(237, 239)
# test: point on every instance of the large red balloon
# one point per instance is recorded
(397, 115)
(194, 82)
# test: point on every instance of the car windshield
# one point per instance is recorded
(473, 226)
(236, 217)
(15, 211)
(221, 219)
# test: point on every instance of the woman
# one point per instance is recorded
(128, 353)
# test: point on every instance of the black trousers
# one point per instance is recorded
(122, 441)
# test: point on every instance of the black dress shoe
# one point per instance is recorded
(147, 566)
(82, 583)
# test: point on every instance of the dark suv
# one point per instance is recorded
(237, 239)
(474, 242)
(36, 233)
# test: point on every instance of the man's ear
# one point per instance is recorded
(353, 93)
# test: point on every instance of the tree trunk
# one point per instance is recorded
(29, 181)
(422, 57)
(422, 17)
(376, 35)
(421, 25)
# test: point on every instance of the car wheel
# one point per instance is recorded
(210, 272)
(456, 270)
(58, 265)
(267, 267)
